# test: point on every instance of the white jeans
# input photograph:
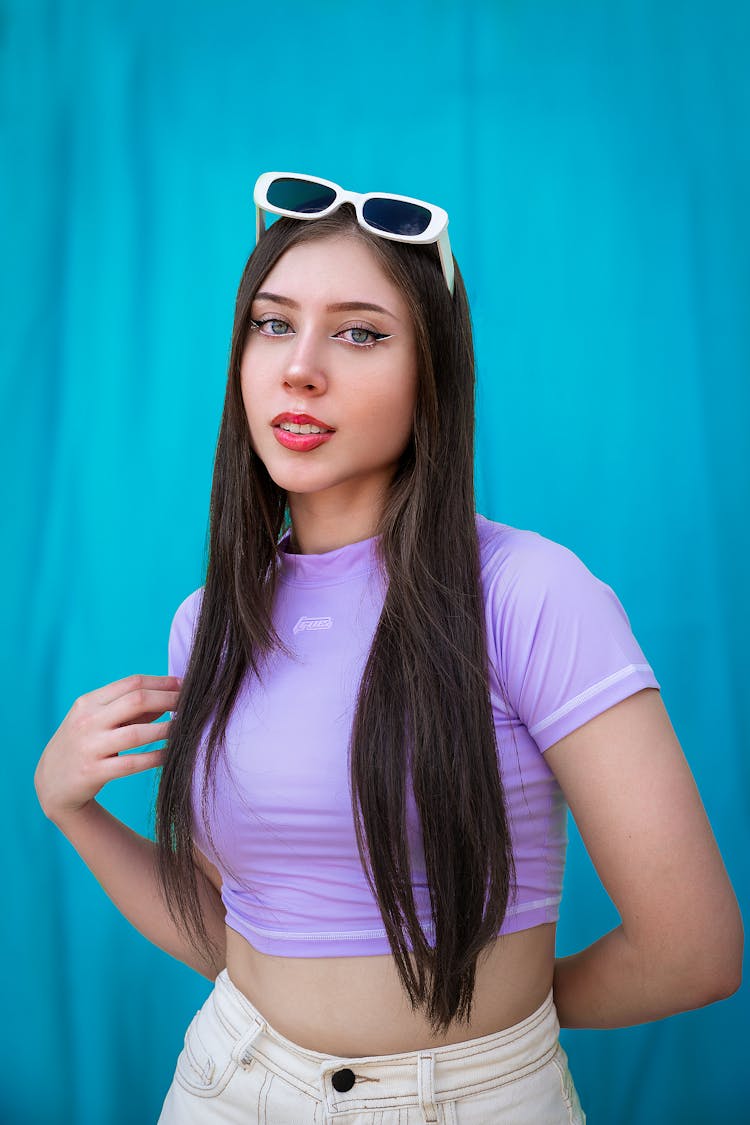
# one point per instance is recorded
(236, 1068)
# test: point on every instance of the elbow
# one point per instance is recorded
(729, 979)
(716, 968)
(719, 986)
(731, 985)
(697, 964)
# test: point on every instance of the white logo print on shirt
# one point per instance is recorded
(313, 624)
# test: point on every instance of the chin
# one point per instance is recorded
(302, 481)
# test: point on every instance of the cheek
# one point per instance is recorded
(247, 400)
(406, 406)
(388, 427)
(402, 420)
(388, 405)
(250, 402)
(251, 394)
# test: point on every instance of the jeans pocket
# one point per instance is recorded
(208, 1060)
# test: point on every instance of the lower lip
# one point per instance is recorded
(301, 443)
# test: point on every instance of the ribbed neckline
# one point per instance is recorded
(329, 568)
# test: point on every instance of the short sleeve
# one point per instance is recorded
(181, 634)
(563, 642)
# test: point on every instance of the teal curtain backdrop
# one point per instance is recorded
(595, 161)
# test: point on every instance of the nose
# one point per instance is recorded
(304, 370)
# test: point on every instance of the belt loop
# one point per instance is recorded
(426, 1086)
(243, 1048)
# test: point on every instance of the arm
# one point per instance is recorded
(85, 753)
(679, 944)
(124, 864)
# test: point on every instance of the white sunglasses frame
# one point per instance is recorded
(437, 230)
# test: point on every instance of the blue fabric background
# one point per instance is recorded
(595, 161)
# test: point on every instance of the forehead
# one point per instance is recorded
(339, 268)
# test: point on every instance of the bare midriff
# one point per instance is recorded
(353, 1006)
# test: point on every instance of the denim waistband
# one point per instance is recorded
(423, 1077)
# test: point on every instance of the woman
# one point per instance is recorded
(336, 843)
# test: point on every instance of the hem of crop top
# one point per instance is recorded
(373, 943)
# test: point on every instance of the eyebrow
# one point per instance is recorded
(339, 306)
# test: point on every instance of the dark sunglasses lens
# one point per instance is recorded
(300, 195)
(396, 216)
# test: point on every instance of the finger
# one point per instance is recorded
(139, 705)
(125, 765)
(118, 688)
(131, 737)
(149, 716)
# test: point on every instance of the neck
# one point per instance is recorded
(324, 523)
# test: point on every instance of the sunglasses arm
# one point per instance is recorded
(446, 259)
(260, 224)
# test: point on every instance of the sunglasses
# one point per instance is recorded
(397, 217)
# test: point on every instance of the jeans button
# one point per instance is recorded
(343, 1080)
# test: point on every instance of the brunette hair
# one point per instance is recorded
(423, 712)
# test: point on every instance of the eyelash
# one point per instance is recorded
(258, 324)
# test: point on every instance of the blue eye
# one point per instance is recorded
(361, 336)
(271, 326)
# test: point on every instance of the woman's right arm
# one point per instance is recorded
(82, 756)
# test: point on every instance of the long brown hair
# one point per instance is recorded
(423, 713)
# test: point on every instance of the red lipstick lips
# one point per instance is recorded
(300, 420)
(300, 443)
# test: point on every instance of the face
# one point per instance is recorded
(329, 375)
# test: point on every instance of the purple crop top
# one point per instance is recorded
(282, 825)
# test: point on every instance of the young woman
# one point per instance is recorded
(382, 706)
